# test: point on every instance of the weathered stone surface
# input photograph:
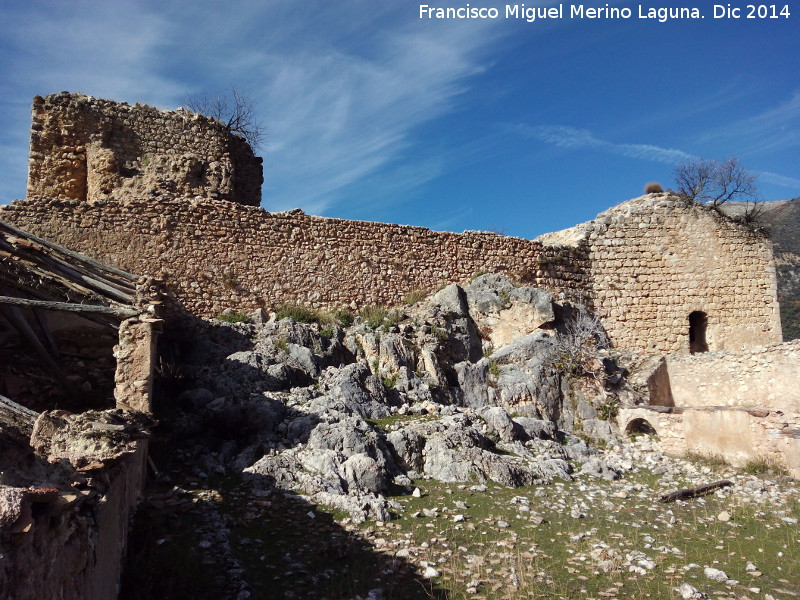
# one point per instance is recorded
(89, 149)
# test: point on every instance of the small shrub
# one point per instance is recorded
(505, 296)
(344, 317)
(373, 316)
(494, 369)
(476, 274)
(414, 296)
(389, 381)
(327, 333)
(441, 334)
(282, 344)
(233, 317)
(575, 351)
(653, 187)
(608, 409)
(299, 314)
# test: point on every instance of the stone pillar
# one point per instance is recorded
(135, 354)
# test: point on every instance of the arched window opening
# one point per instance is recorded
(640, 426)
(698, 322)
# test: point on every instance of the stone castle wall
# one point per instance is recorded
(90, 150)
(144, 189)
(214, 255)
(655, 260)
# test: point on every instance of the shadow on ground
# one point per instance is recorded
(217, 537)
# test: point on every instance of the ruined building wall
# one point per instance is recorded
(763, 376)
(214, 255)
(141, 188)
(90, 150)
(655, 260)
(74, 540)
(742, 405)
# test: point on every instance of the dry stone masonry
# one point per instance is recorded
(145, 190)
(217, 255)
(90, 150)
(644, 266)
(657, 264)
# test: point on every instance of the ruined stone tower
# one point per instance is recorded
(87, 149)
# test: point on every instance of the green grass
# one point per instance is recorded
(415, 296)
(234, 317)
(299, 314)
(567, 557)
(377, 316)
(764, 466)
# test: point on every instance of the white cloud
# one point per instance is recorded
(777, 128)
(340, 86)
(572, 138)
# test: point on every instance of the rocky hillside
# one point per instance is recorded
(460, 447)
(783, 219)
(471, 384)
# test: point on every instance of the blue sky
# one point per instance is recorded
(373, 113)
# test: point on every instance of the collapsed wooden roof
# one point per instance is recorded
(37, 273)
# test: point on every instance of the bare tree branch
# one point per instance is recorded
(714, 183)
(234, 110)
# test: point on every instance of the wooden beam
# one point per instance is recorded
(122, 313)
(700, 490)
(17, 319)
(17, 415)
(98, 265)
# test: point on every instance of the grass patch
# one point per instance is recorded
(527, 542)
(299, 314)
(415, 296)
(282, 344)
(375, 317)
(764, 466)
(494, 369)
(344, 317)
(233, 317)
(713, 461)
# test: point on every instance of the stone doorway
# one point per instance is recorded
(698, 323)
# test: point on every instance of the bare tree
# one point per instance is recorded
(575, 349)
(234, 110)
(713, 182)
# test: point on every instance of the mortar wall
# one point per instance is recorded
(654, 261)
(214, 255)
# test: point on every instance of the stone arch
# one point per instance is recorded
(698, 328)
(639, 425)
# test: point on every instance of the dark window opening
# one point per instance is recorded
(698, 322)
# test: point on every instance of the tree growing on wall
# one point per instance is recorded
(715, 182)
(234, 110)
